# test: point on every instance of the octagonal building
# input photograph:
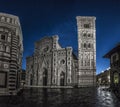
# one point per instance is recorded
(11, 49)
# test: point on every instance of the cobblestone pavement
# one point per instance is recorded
(82, 97)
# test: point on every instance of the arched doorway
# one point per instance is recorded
(31, 79)
(62, 79)
(45, 76)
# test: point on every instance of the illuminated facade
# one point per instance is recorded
(103, 79)
(86, 51)
(114, 56)
(52, 68)
(51, 65)
(11, 49)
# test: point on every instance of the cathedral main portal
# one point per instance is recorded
(45, 76)
(62, 79)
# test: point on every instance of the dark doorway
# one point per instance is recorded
(62, 79)
(31, 79)
(45, 76)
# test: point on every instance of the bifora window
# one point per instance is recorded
(89, 45)
(86, 25)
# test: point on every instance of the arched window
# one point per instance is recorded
(84, 34)
(62, 78)
(2, 37)
(89, 45)
(85, 45)
(87, 25)
(89, 35)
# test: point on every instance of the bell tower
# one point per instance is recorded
(86, 51)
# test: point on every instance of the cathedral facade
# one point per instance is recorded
(86, 51)
(11, 48)
(51, 65)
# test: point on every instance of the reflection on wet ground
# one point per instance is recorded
(83, 97)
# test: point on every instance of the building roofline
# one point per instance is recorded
(10, 15)
(85, 17)
(107, 55)
(74, 56)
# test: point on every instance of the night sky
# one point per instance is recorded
(41, 18)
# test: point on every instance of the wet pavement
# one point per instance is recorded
(83, 97)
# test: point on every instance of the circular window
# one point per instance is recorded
(45, 49)
(62, 61)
